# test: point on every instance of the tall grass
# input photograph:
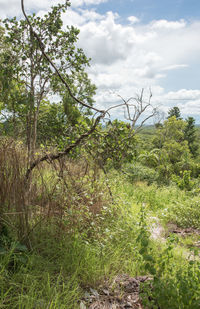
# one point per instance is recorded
(79, 237)
(65, 190)
(12, 190)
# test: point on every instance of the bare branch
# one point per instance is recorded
(115, 106)
(140, 126)
(53, 157)
(140, 106)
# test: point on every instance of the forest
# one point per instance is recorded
(95, 212)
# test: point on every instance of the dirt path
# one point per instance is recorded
(123, 292)
(159, 233)
(156, 229)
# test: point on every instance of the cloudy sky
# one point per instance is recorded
(136, 44)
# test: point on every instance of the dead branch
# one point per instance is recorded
(133, 111)
(51, 157)
(138, 107)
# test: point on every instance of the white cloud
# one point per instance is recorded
(175, 66)
(74, 18)
(187, 100)
(184, 94)
(13, 7)
(191, 108)
(104, 41)
(168, 25)
(133, 19)
(78, 3)
(128, 57)
(91, 15)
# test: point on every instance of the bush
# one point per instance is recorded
(184, 181)
(139, 172)
(175, 283)
(185, 214)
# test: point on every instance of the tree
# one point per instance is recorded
(84, 90)
(174, 155)
(55, 63)
(190, 135)
(172, 130)
(135, 107)
(174, 111)
(30, 69)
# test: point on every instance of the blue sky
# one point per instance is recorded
(148, 10)
(136, 44)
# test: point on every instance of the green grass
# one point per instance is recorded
(169, 203)
(64, 264)
(59, 270)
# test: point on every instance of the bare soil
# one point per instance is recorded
(122, 293)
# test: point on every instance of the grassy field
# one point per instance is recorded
(67, 259)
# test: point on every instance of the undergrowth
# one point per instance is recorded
(68, 234)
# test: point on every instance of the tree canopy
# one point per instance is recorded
(174, 111)
(27, 78)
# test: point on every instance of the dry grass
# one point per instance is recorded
(12, 189)
(64, 189)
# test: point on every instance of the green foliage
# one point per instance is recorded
(173, 154)
(184, 182)
(143, 240)
(184, 214)
(79, 238)
(174, 112)
(138, 172)
(52, 123)
(190, 135)
(84, 90)
(113, 145)
(13, 254)
(150, 158)
(82, 225)
(174, 285)
(172, 130)
(195, 169)
(26, 78)
(171, 204)
(87, 250)
(57, 128)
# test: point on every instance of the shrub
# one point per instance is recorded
(139, 172)
(184, 181)
(185, 214)
(175, 284)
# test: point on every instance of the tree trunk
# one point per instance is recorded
(31, 114)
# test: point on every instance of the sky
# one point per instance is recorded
(135, 44)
